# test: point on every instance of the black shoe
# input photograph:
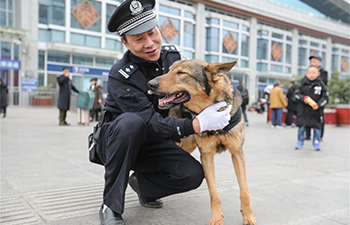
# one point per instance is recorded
(62, 124)
(108, 217)
(307, 139)
(148, 203)
(67, 124)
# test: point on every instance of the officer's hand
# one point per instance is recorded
(211, 119)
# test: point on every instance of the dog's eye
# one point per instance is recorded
(180, 73)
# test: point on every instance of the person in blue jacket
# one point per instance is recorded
(138, 135)
(65, 87)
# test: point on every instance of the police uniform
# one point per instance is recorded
(139, 136)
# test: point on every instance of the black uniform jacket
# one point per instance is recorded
(127, 92)
(65, 92)
(317, 90)
(324, 76)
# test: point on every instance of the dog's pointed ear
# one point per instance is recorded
(217, 70)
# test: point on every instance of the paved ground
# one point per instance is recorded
(46, 177)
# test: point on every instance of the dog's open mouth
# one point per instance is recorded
(173, 99)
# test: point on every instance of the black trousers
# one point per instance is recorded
(161, 167)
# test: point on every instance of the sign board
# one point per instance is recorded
(29, 84)
(78, 69)
(7, 64)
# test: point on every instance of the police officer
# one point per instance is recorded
(137, 135)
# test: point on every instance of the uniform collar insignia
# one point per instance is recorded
(135, 7)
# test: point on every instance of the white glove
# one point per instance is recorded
(211, 119)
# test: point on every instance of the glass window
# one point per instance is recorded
(93, 41)
(58, 36)
(230, 24)
(213, 21)
(52, 80)
(58, 57)
(263, 33)
(261, 66)
(235, 36)
(109, 12)
(15, 52)
(188, 54)
(302, 57)
(78, 82)
(6, 50)
(176, 23)
(288, 69)
(335, 49)
(41, 79)
(78, 39)
(244, 63)
(289, 38)
(314, 44)
(96, 26)
(211, 58)
(104, 62)
(189, 15)
(279, 36)
(114, 44)
(245, 28)
(2, 18)
(228, 59)
(166, 9)
(345, 51)
(301, 72)
(276, 68)
(302, 42)
(82, 60)
(188, 35)
(262, 79)
(244, 45)
(41, 60)
(212, 39)
(262, 49)
(3, 4)
(335, 61)
(52, 12)
(288, 53)
(44, 35)
(281, 47)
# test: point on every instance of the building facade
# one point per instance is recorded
(268, 40)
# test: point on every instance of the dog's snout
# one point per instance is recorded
(153, 84)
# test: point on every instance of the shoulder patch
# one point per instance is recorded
(128, 70)
(171, 48)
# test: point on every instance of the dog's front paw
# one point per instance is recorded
(217, 219)
(249, 219)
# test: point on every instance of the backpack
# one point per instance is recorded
(245, 96)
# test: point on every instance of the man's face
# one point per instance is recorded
(146, 46)
(315, 62)
(66, 72)
(312, 73)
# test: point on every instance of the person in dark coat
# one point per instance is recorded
(3, 97)
(312, 96)
(245, 100)
(316, 61)
(137, 135)
(98, 101)
(292, 107)
(65, 87)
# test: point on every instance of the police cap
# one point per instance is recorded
(133, 17)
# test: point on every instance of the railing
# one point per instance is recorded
(46, 98)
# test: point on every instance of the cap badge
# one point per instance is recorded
(136, 7)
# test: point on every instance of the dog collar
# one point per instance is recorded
(235, 119)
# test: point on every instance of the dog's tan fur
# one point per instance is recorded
(188, 76)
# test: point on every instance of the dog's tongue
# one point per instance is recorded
(166, 99)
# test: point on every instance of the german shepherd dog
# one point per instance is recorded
(189, 87)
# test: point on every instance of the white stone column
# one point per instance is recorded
(295, 49)
(328, 65)
(251, 81)
(199, 38)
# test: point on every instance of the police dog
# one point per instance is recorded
(191, 86)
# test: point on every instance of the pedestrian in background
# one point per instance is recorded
(316, 61)
(245, 100)
(277, 103)
(292, 105)
(65, 87)
(3, 97)
(312, 96)
(98, 101)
